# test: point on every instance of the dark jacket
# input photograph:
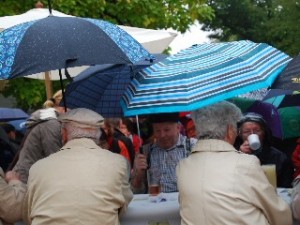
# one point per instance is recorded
(268, 154)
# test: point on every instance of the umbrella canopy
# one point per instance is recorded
(155, 41)
(100, 87)
(282, 98)
(61, 42)
(19, 125)
(288, 106)
(201, 75)
(8, 114)
(281, 110)
(289, 79)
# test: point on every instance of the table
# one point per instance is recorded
(142, 212)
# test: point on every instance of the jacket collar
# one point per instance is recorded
(79, 143)
(213, 145)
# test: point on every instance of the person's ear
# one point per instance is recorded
(64, 135)
(231, 134)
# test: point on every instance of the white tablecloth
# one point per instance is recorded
(142, 212)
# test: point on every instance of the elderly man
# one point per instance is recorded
(12, 192)
(219, 185)
(82, 183)
(163, 155)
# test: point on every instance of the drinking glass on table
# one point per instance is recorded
(270, 171)
(153, 178)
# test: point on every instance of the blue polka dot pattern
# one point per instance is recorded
(59, 42)
(9, 42)
(128, 44)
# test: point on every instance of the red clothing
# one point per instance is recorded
(123, 149)
(137, 143)
(296, 159)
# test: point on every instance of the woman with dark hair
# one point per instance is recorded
(127, 127)
(114, 140)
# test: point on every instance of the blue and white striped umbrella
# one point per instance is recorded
(202, 75)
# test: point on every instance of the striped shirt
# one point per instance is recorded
(167, 160)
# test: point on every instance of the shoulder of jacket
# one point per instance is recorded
(1, 173)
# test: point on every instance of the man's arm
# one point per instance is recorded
(138, 178)
(12, 192)
(264, 195)
(126, 191)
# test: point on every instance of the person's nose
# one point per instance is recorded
(163, 134)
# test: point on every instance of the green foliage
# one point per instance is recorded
(176, 14)
(271, 21)
(30, 94)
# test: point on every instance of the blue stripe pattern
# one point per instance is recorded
(201, 75)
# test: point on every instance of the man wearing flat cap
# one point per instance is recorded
(163, 155)
(80, 184)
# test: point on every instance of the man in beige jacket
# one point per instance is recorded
(12, 192)
(219, 185)
(80, 184)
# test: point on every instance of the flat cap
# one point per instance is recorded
(84, 118)
(164, 118)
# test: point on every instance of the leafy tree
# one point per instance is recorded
(176, 14)
(30, 93)
(271, 21)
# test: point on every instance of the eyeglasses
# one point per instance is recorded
(248, 132)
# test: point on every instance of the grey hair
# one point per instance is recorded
(74, 131)
(212, 121)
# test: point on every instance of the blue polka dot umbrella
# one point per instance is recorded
(202, 75)
(61, 42)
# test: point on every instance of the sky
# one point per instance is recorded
(194, 36)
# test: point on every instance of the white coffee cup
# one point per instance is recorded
(254, 142)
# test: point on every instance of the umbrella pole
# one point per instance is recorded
(138, 131)
(138, 125)
(48, 85)
(62, 90)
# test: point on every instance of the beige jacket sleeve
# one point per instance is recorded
(126, 190)
(264, 195)
(11, 199)
(295, 203)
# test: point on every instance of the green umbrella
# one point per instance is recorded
(290, 121)
(268, 111)
(288, 105)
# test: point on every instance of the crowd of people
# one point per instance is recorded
(74, 166)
